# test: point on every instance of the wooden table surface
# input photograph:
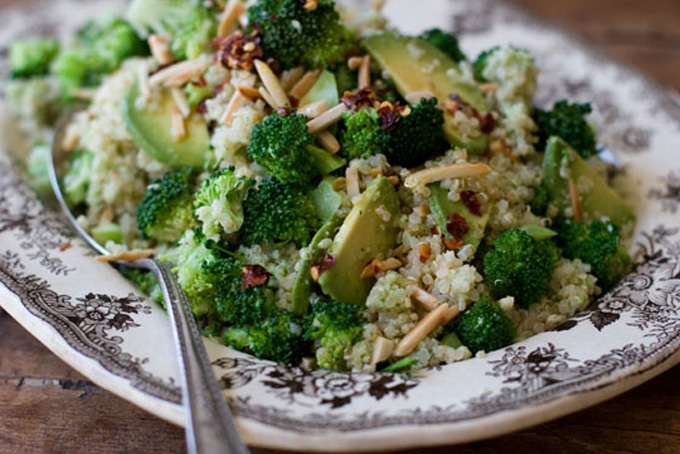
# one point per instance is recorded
(47, 407)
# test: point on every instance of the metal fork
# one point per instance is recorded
(210, 427)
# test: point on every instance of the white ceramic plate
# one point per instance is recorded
(97, 322)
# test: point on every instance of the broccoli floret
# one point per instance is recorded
(446, 42)
(194, 34)
(76, 180)
(280, 145)
(294, 35)
(363, 137)
(146, 282)
(166, 210)
(597, 244)
(484, 327)
(162, 17)
(219, 203)
(103, 233)
(100, 48)
(520, 266)
(334, 327)
(277, 339)
(37, 168)
(417, 135)
(278, 212)
(479, 65)
(568, 122)
(32, 57)
(407, 141)
(33, 100)
(539, 203)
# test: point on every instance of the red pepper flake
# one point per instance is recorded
(388, 115)
(200, 82)
(253, 275)
(65, 247)
(274, 65)
(202, 107)
(456, 226)
(452, 245)
(487, 122)
(294, 102)
(471, 202)
(284, 111)
(355, 100)
(326, 263)
(238, 50)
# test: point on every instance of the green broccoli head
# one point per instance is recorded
(362, 136)
(520, 266)
(166, 210)
(280, 145)
(38, 170)
(479, 65)
(446, 42)
(568, 122)
(32, 57)
(294, 35)
(335, 327)
(194, 34)
(219, 203)
(418, 135)
(163, 17)
(539, 203)
(597, 244)
(484, 326)
(277, 339)
(76, 180)
(278, 212)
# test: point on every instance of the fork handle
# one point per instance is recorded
(210, 427)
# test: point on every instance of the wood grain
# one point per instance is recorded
(47, 407)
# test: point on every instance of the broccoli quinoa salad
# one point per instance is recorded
(330, 192)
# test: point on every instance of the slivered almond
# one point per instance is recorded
(249, 92)
(427, 299)
(382, 349)
(577, 213)
(414, 97)
(128, 256)
(180, 101)
(180, 73)
(160, 49)
(328, 141)
(233, 105)
(365, 73)
(311, 5)
(451, 313)
(326, 119)
(464, 170)
(391, 263)
(371, 269)
(268, 98)
(230, 16)
(375, 172)
(303, 85)
(290, 76)
(340, 183)
(271, 83)
(421, 330)
(354, 62)
(314, 109)
(352, 181)
(394, 179)
(177, 128)
(314, 273)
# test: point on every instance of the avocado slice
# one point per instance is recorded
(416, 65)
(326, 199)
(441, 206)
(600, 201)
(302, 288)
(325, 88)
(150, 129)
(325, 162)
(364, 235)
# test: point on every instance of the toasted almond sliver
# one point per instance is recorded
(230, 16)
(271, 83)
(314, 109)
(326, 119)
(391, 263)
(371, 269)
(328, 141)
(249, 92)
(314, 273)
(414, 97)
(290, 76)
(180, 73)
(160, 49)
(352, 176)
(365, 72)
(180, 101)
(427, 299)
(577, 213)
(382, 349)
(177, 129)
(451, 313)
(269, 99)
(234, 104)
(421, 330)
(354, 62)
(128, 256)
(303, 85)
(464, 170)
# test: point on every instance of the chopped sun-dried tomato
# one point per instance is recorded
(355, 100)
(253, 275)
(456, 225)
(326, 263)
(471, 202)
(238, 50)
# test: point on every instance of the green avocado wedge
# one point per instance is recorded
(151, 130)
(324, 89)
(416, 65)
(441, 207)
(598, 202)
(369, 231)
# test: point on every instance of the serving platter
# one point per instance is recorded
(92, 318)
